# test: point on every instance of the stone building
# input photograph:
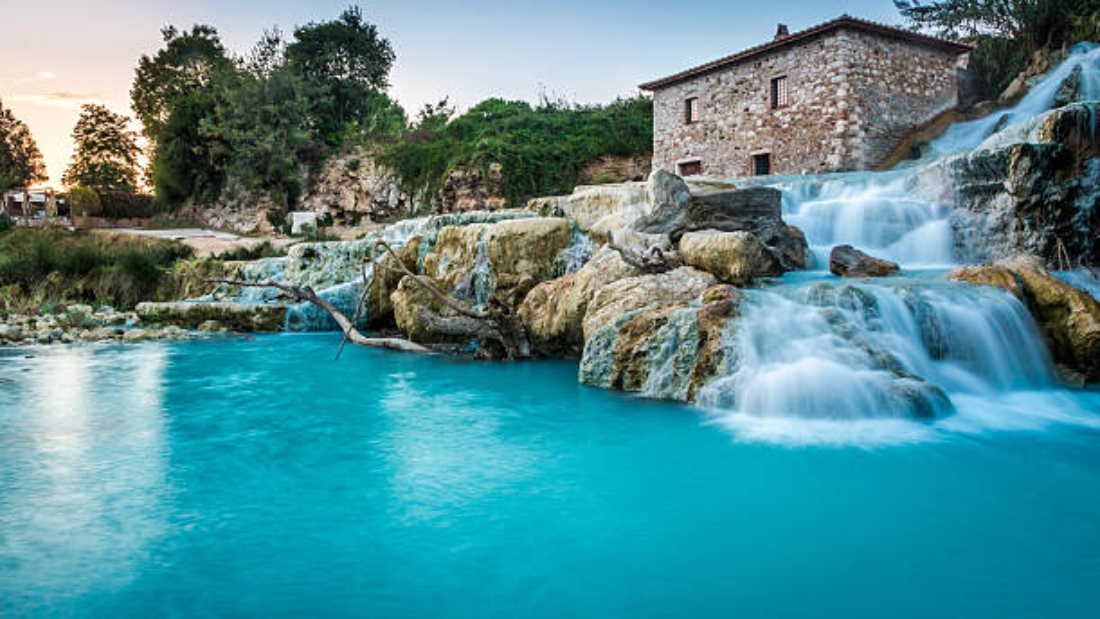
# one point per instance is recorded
(839, 96)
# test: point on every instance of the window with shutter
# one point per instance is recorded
(780, 92)
(691, 110)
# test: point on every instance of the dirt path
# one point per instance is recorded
(204, 242)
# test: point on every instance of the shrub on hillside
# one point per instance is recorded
(541, 149)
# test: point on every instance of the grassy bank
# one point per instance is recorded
(41, 269)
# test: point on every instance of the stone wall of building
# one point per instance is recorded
(896, 87)
(851, 97)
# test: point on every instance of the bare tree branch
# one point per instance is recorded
(425, 283)
(498, 329)
(301, 294)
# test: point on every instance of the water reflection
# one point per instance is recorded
(82, 436)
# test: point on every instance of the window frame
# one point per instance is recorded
(778, 97)
(691, 167)
(756, 159)
(692, 112)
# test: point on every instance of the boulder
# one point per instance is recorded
(1029, 189)
(385, 281)
(665, 350)
(408, 300)
(1068, 318)
(610, 206)
(136, 335)
(666, 192)
(553, 311)
(789, 246)
(988, 275)
(733, 257)
(751, 210)
(454, 253)
(634, 352)
(676, 287)
(210, 326)
(523, 253)
(243, 317)
(1068, 89)
(847, 261)
(719, 303)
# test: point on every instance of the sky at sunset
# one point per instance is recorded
(57, 54)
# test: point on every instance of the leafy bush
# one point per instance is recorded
(540, 149)
(125, 205)
(85, 201)
(255, 252)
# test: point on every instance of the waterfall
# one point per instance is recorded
(817, 359)
(876, 212)
(479, 284)
(840, 362)
(846, 350)
(336, 269)
(580, 250)
(1084, 57)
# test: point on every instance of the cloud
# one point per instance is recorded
(59, 99)
(41, 76)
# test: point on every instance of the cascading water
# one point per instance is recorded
(818, 359)
(873, 211)
(1083, 58)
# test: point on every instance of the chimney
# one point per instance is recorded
(781, 32)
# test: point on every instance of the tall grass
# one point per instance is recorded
(49, 266)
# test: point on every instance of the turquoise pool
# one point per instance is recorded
(261, 478)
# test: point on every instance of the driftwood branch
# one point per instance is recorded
(652, 262)
(497, 328)
(425, 283)
(301, 294)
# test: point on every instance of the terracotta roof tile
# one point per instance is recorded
(843, 21)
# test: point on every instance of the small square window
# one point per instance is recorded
(691, 110)
(691, 168)
(781, 96)
(762, 164)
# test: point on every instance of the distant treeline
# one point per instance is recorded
(222, 126)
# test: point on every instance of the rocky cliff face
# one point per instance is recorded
(355, 188)
(1033, 188)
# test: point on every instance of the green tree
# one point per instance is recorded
(1033, 23)
(190, 157)
(1007, 32)
(541, 149)
(85, 201)
(266, 125)
(343, 62)
(21, 162)
(184, 64)
(106, 151)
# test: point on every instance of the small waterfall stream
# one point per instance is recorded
(818, 359)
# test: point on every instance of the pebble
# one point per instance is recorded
(82, 323)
